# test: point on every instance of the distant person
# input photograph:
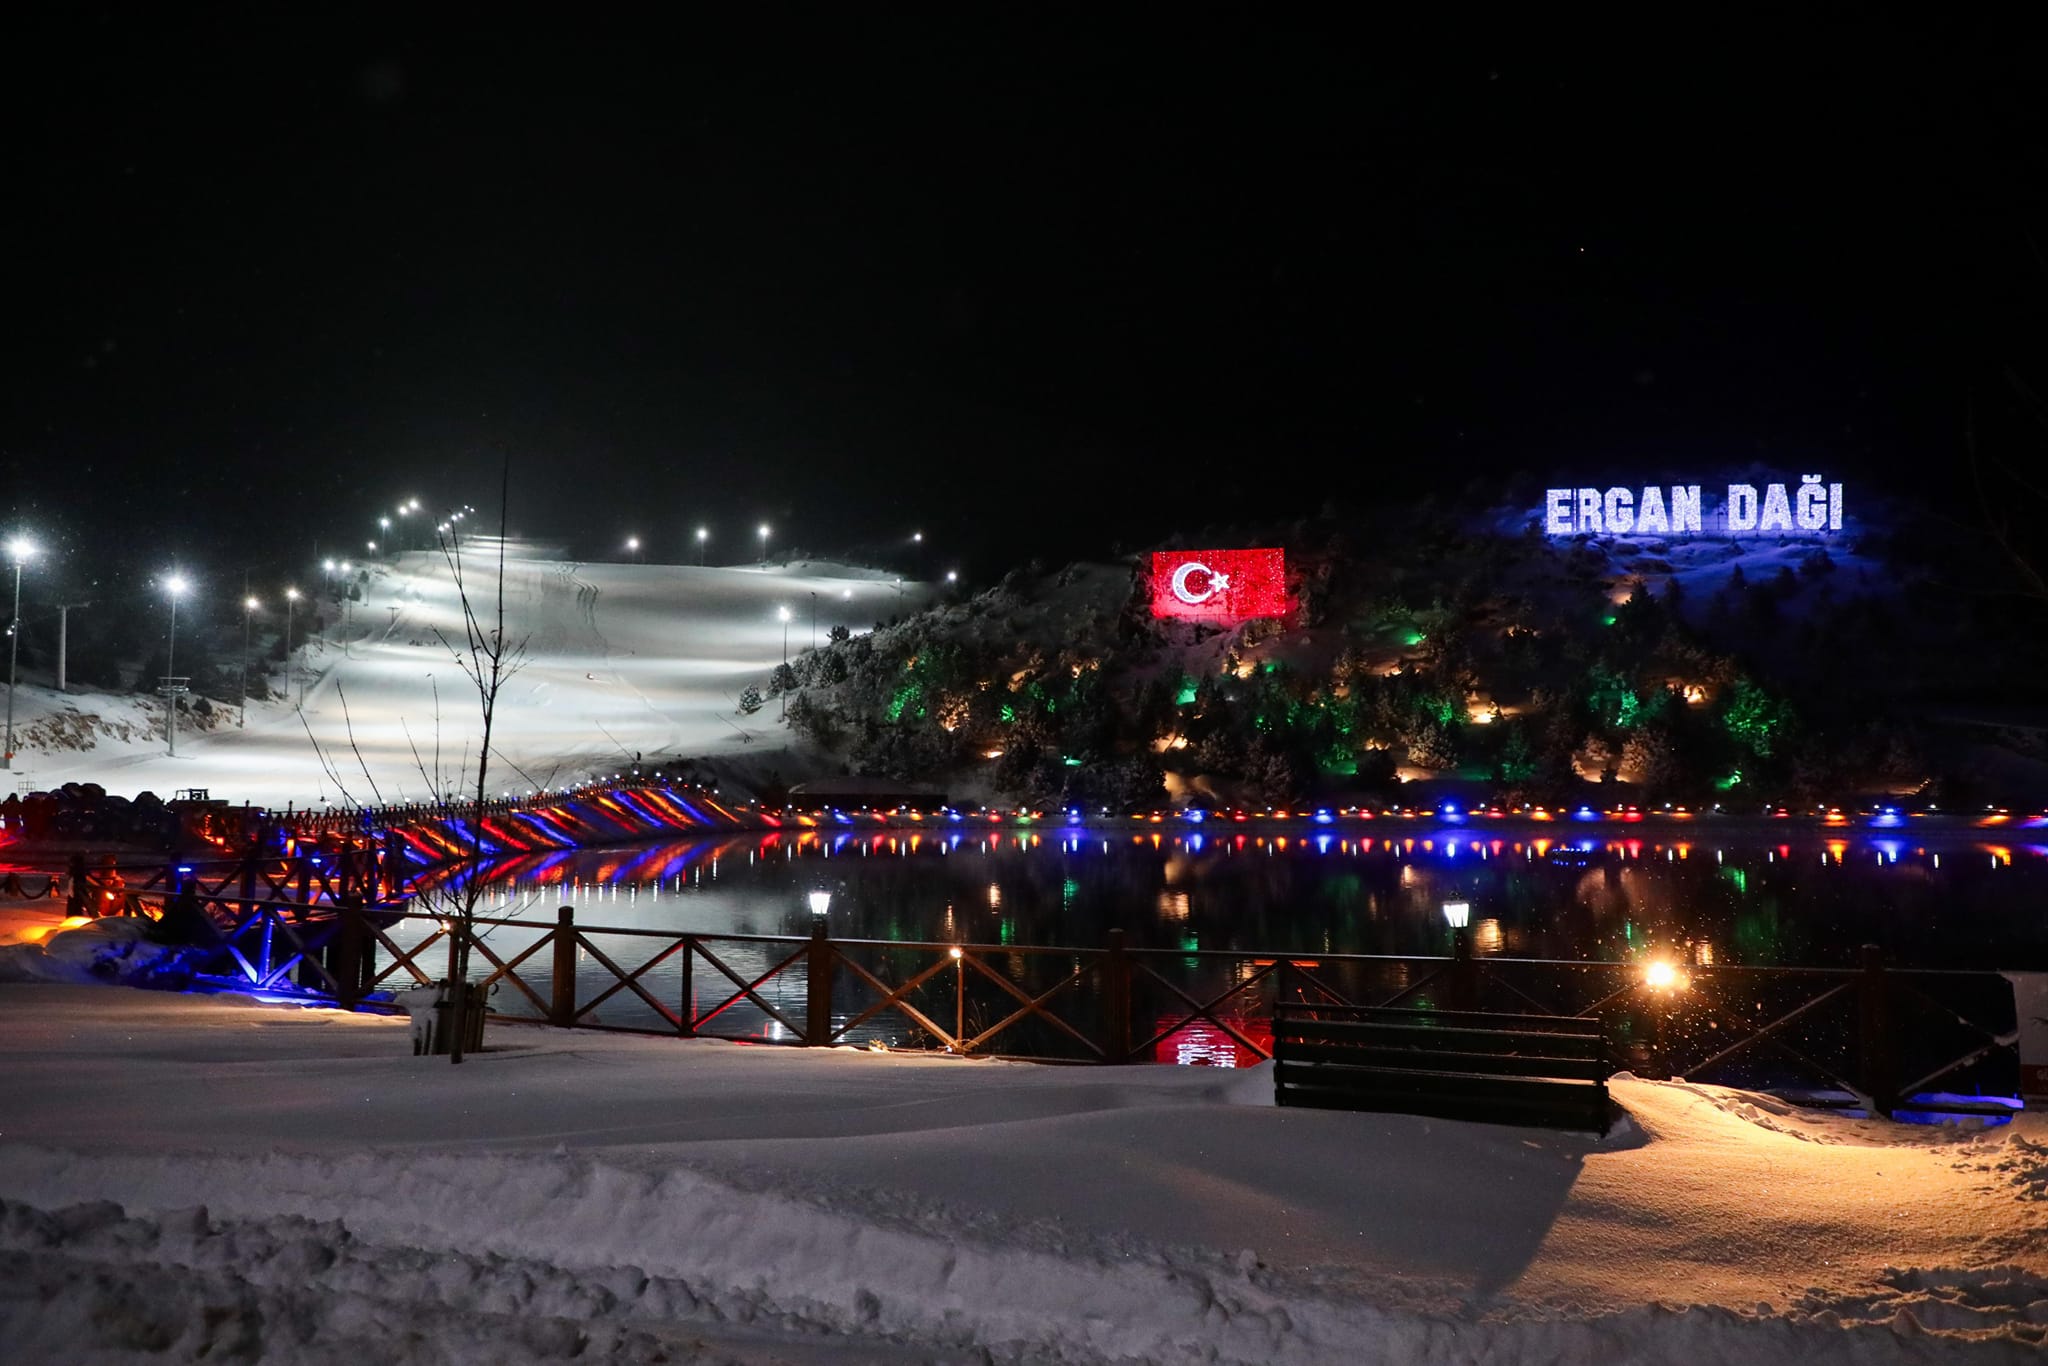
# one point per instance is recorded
(113, 889)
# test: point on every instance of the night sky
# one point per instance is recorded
(1033, 284)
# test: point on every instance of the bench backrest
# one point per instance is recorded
(1515, 1069)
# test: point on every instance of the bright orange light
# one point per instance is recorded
(1660, 975)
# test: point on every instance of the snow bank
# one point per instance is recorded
(571, 1255)
(111, 950)
(568, 1194)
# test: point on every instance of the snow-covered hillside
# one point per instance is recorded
(620, 659)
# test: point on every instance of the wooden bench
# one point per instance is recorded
(1539, 1070)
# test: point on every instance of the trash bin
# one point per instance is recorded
(429, 1009)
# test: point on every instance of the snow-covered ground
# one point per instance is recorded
(185, 1178)
(619, 659)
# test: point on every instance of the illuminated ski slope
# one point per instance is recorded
(617, 660)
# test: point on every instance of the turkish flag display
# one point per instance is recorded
(1219, 585)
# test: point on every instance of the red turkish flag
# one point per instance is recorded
(1219, 585)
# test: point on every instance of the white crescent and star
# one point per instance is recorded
(1217, 583)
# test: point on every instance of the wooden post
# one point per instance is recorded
(394, 863)
(1116, 1000)
(818, 1005)
(1874, 1034)
(1462, 992)
(345, 960)
(686, 1009)
(562, 1003)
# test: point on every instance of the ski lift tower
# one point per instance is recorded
(171, 688)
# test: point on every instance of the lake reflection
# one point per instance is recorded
(1758, 897)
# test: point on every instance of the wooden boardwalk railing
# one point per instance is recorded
(1869, 1036)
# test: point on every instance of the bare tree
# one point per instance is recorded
(487, 659)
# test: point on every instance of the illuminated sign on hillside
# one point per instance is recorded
(1807, 508)
(1219, 585)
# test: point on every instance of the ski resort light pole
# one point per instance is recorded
(291, 602)
(348, 607)
(175, 587)
(782, 693)
(633, 547)
(764, 545)
(703, 535)
(18, 550)
(242, 712)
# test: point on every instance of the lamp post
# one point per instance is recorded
(242, 712)
(703, 535)
(633, 546)
(18, 550)
(327, 587)
(782, 694)
(348, 608)
(291, 602)
(1458, 914)
(821, 901)
(764, 545)
(175, 587)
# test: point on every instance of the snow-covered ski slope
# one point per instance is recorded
(616, 660)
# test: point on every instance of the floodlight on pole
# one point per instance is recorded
(19, 549)
(703, 535)
(764, 543)
(175, 587)
(782, 693)
(348, 612)
(291, 603)
(249, 606)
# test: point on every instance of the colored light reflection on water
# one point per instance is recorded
(1952, 903)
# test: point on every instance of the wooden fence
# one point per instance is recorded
(1872, 1037)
